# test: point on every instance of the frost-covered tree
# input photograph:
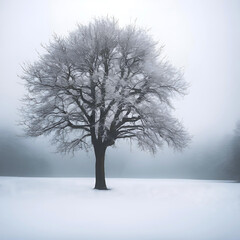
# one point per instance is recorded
(101, 83)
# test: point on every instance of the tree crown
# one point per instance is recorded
(101, 83)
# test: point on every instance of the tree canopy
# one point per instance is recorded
(107, 83)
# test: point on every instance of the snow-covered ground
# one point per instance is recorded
(69, 209)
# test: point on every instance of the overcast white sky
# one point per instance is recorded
(202, 37)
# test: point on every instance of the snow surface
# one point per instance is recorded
(69, 209)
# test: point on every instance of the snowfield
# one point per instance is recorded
(149, 209)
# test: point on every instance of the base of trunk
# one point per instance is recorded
(101, 188)
(101, 185)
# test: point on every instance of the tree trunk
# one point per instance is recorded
(100, 183)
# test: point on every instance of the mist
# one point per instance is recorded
(24, 157)
(201, 37)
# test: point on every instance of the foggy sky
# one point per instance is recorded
(201, 37)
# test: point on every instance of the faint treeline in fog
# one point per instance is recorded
(216, 159)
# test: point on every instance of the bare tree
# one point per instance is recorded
(101, 83)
